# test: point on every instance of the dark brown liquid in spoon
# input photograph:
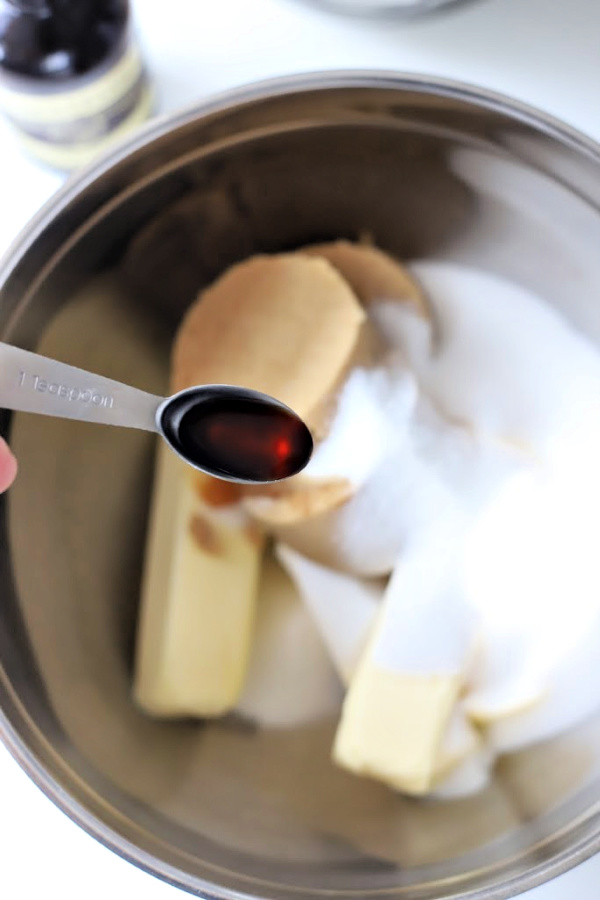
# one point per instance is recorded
(245, 438)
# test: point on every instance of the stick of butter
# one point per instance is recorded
(284, 325)
(199, 592)
(409, 677)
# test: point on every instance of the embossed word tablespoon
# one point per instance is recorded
(230, 432)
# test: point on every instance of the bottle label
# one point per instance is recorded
(72, 117)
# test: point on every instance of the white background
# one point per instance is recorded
(544, 52)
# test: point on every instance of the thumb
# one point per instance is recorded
(8, 466)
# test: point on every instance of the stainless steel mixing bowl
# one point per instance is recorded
(100, 278)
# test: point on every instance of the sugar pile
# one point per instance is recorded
(473, 447)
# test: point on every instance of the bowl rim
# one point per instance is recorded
(382, 11)
(484, 98)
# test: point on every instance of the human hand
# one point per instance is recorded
(8, 466)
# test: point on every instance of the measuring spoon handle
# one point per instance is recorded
(36, 384)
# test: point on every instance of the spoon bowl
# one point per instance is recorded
(238, 434)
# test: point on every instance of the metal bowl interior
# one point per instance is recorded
(100, 279)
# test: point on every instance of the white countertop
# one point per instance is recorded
(544, 52)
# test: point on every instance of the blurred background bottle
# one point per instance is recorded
(71, 76)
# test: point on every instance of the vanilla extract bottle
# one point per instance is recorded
(71, 76)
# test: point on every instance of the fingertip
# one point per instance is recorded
(8, 466)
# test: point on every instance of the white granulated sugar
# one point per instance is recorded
(469, 777)
(426, 627)
(505, 362)
(426, 466)
(290, 679)
(361, 429)
(366, 534)
(571, 696)
(473, 447)
(342, 607)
